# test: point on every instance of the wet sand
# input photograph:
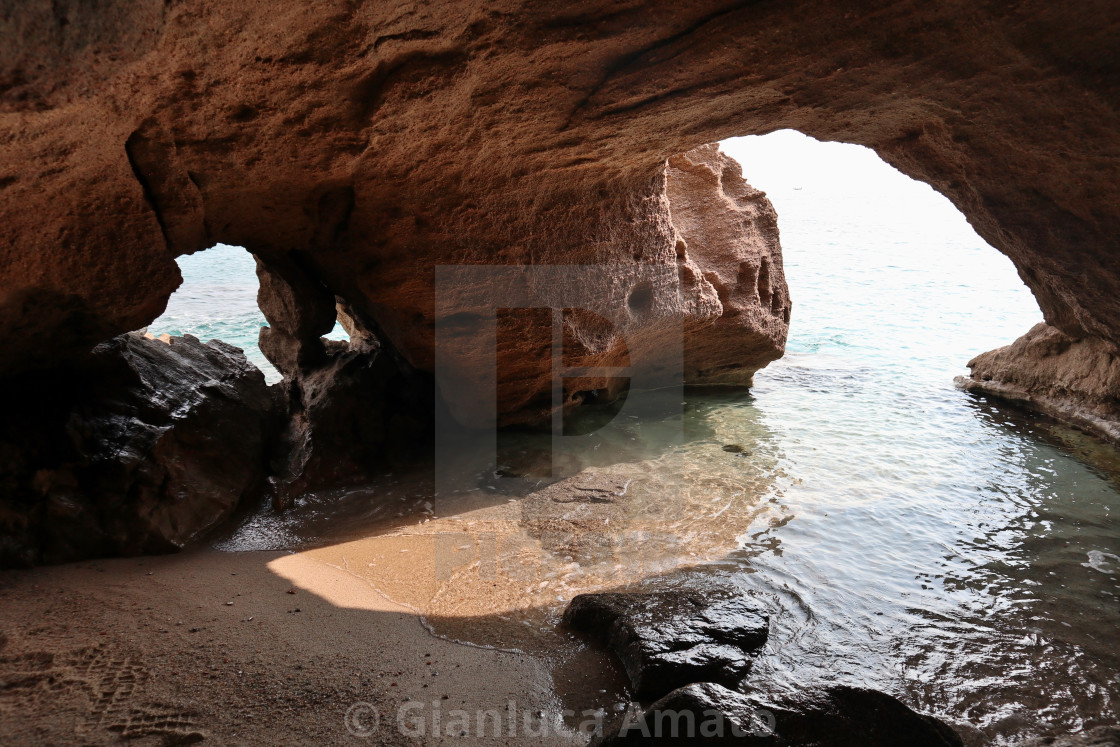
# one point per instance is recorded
(428, 612)
(214, 646)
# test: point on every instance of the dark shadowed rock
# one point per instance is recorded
(669, 639)
(349, 418)
(837, 717)
(698, 712)
(142, 448)
(845, 716)
(349, 408)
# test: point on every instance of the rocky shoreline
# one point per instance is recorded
(1074, 380)
(688, 656)
(355, 147)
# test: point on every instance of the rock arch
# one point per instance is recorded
(379, 139)
(352, 146)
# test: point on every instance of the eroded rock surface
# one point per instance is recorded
(368, 142)
(707, 713)
(352, 417)
(1074, 380)
(669, 639)
(701, 298)
(140, 449)
(728, 254)
(348, 409)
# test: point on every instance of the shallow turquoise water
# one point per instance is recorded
(956, 554)
(907, 536)
(218, 300)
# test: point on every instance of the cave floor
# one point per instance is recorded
(220, 647)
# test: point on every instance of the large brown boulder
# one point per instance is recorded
(140, 449)
(1076, 380)
(700, 295)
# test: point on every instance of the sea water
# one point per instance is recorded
(904, 535)
(218, 301)
(944, 548)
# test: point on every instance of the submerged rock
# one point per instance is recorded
(669, 639)
(1102, 736)
(1074, 380)
(145, 446)
(836, 717)
(577, 515)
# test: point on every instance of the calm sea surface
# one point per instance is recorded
(905, 535)
(218, 300)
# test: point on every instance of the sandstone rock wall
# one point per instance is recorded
(369, 142)
(1074, 380)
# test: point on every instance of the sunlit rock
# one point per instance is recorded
(1076, 380)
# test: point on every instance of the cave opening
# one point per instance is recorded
(885, 516)
(874, 510)
(796, 490)
(832, 542)
(218, 300)
(875, 259)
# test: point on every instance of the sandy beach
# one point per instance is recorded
(419, 628)
(236, 648)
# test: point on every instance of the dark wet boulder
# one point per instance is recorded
(838, 717)
(140, 449)
(844, 716)
(699, 712)
(669, 639)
